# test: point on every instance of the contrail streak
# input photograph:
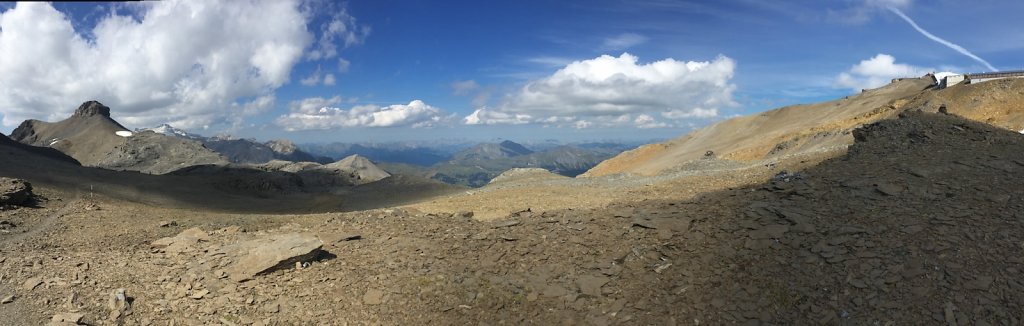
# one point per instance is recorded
(949, 44)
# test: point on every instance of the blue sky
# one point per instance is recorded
(527, 70)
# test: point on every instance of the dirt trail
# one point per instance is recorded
(47, 222)
(15, 313)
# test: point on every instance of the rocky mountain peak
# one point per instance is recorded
(92, 108)
(513, 148)
(282, 146)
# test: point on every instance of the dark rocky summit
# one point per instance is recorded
(92, 108)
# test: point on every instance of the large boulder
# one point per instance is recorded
(14, 191)
(263, 255)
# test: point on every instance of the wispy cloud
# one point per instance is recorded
(862, 11)
(313, 79)
(343, 65)
(342, 29)
(939, 40)
(480, 94)
(464, 87)
(865, 9)
(318, 77)
(624, 41)
(550, 61)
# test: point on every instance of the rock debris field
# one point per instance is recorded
(920, 223)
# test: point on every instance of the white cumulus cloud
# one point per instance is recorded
(486, 116)
(313, 104)
(690, 113)
(170, 61)
(609, 87)
(644, 121)
(875, 72)
(316, 114)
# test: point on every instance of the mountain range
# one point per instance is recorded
(90, 137)
(897, 198)
(245, 150)
(477, 165)
(405, 153)
(454, 163)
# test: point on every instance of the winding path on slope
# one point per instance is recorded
(13, 312)
(46, 223)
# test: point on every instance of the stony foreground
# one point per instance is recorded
(921, 223)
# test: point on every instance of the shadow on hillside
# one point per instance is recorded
(216, 188)
(915, 225)
(919, 223)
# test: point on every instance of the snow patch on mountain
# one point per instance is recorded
(168, 130)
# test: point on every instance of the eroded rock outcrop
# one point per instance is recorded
(15, 191)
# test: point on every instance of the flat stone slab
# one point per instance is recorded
(266, 254)
(183, 242)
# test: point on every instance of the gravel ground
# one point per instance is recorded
(919, 223)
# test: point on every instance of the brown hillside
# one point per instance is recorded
(999, 103)
(785, 131)
(90, 136)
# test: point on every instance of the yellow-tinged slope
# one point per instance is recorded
(784, 131)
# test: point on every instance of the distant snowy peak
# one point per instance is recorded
(167, 130)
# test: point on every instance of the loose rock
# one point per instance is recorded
(591, 285)
(199, 294)
(373, 297)
(32, 283)
(118, 304)
(979, 283)
(73, 318)
(183, 242)
(507, 224)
